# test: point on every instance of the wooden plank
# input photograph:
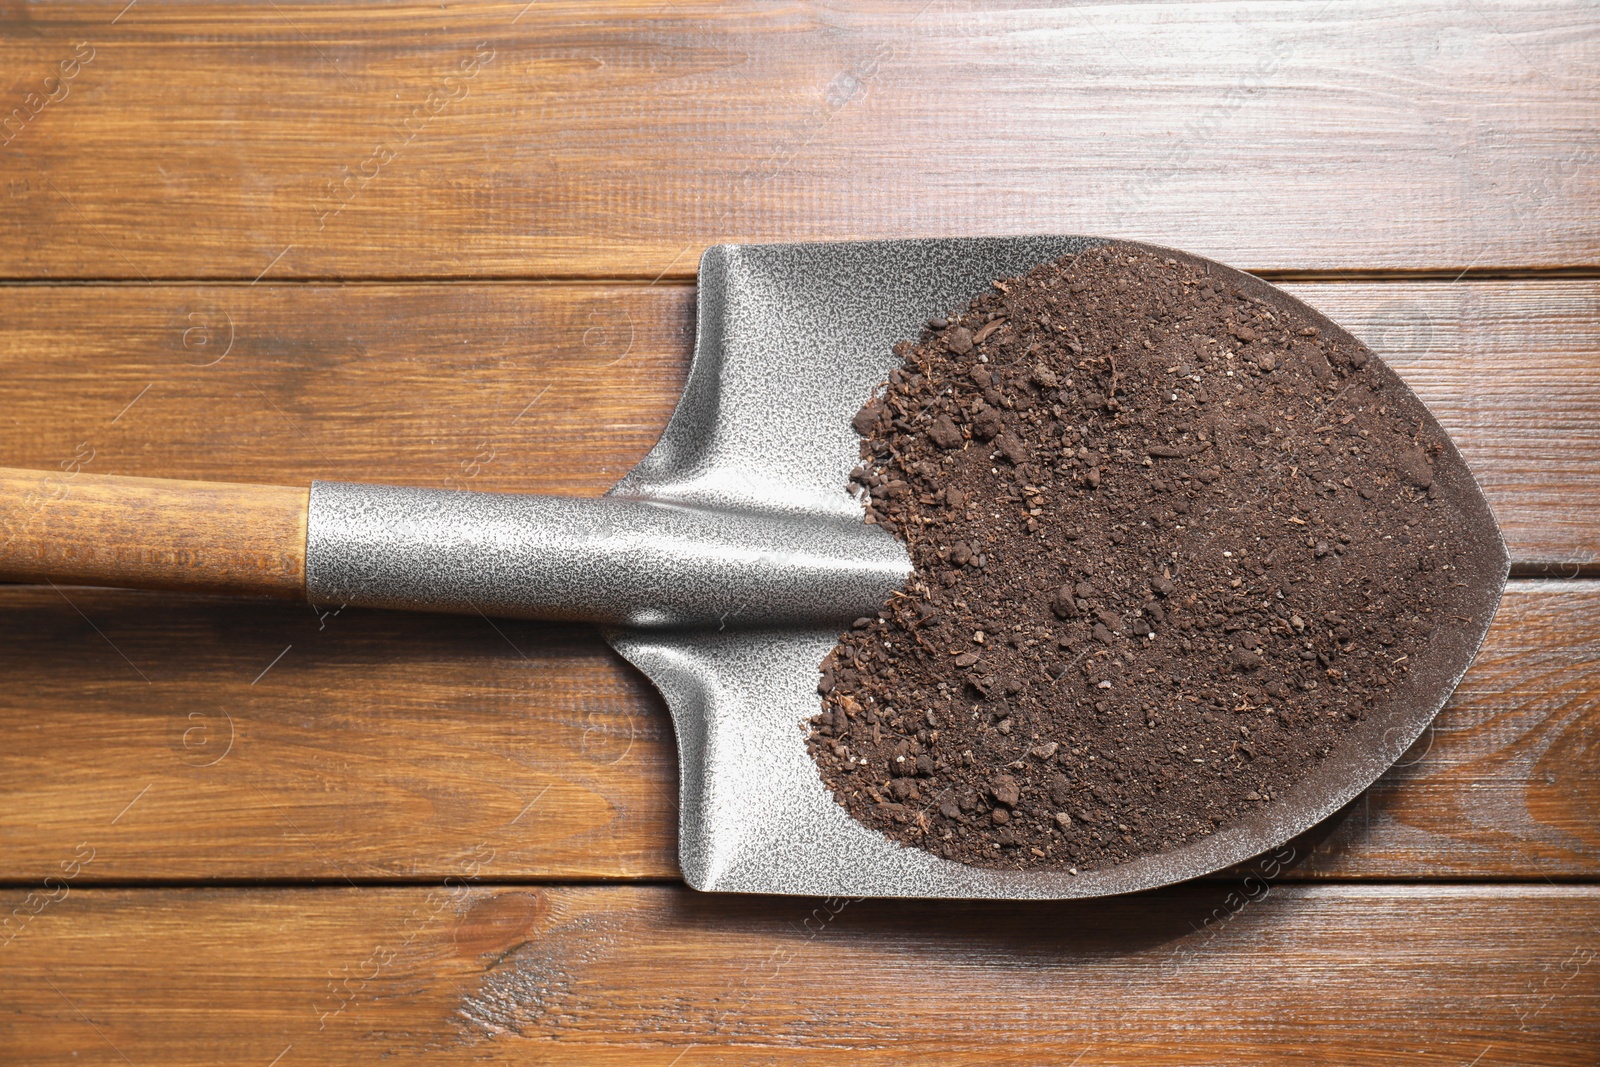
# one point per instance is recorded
(196, 738)
(231, 140)
(1218, 974)
(562, 388)
(549, 389)
(206, 737)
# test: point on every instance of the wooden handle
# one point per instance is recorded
(152, 533)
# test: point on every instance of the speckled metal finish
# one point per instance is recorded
(728, 522)
(793, 337)
(614, 560)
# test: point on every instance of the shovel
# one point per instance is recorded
(723, 566)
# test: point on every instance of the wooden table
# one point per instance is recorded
(454, 244)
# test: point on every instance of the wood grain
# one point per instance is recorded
(660, 975)
(548, 389)
(195, 738)
(202, 140)
(562, 388)
(74, 528)
(556, 193)
(218, 739)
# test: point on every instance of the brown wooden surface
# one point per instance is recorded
(67, 527)
(507, 304)
(202, 139)
(1354, 975)
(382, 745)
(562, 388)
(535, 388)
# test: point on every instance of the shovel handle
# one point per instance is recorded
(614, 560)
(71, 527)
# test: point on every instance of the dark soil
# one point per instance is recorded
(1170, 542)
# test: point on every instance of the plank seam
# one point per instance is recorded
(1329, 275)
(513, 882)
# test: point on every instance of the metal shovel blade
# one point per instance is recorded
(791, 341)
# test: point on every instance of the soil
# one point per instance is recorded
(1171, 544)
